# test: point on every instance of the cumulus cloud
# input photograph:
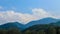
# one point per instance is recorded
(23, 18)
(11, 16)
(41, 13)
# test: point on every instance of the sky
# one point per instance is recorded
(25, 11)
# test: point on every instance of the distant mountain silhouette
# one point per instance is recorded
(37, 27)
(56, 24)
(11, 25)
(42, 21)
(32, 23)
(43, 26)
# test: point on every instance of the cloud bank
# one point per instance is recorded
(23, 18)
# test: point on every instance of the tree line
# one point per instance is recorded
(50, 30)
(39, 29)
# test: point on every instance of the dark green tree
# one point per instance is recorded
(28, 32)
(3, 31)
(51, 30)
(14, 31)
(41, 32)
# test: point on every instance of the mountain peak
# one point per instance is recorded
(42, 21)
(22, 27)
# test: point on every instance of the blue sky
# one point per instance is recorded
(28, 10)
(25, 5)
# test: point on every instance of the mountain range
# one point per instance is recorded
(32, 23)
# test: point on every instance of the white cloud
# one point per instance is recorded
(11, 16)
(41, 13)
